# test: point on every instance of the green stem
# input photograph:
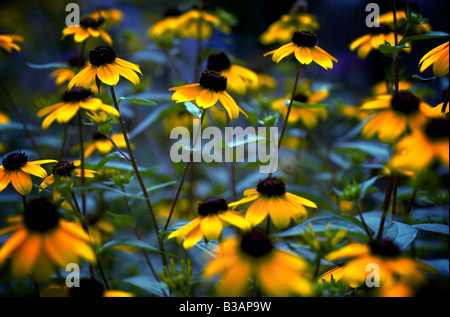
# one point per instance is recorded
(83, 193)
(366, 228)
(186, 168)
(138, 175)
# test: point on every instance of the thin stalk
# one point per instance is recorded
(64, 141)
(387, 198)
(358, 209)
(119, 149)
(396, 60)
(137, 234)
(446, 98)
(294, 89)
(411, 201)
(138, 176)
(232, 170)
(19, 115)
(83, 193)
(186, 168)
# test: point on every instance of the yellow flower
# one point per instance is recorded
(104, 65)
(438, 57)
(282, 30)
(17, 169)
(64, 170)
(111, 16)
(308, 116)
(393, 267)
(352, 112)
(41, 241)
(7, 42)
(425, 144)
(165, 29)
(65, 74)
(265, 82)
(388, 19)
(4, 118)
(395, 114)
(183, 209)
(213, 215)
(270, 198)
(199, 24)
(381, 88)
(304, 47)
(207, 92)
(100, 229)
(238, 78)
(74, 100)
(88, 288)
(88, 27)
(372, 41)
(253, 257)
(102, 144)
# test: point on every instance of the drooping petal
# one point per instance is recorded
(35, 170)
(26, 255)
(211, 227)
(207, 98)
(108, 75)
(22, 182)
(84, 78)
(5, 178)
(12, 244)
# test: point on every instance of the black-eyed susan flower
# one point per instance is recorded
(42, 240)
(166, 29)
(64, 171)
(89, 27)
(253, 257)
(239, 78)
(110, 16)
(88, 288)
(16, 169)
(74, 100)
(395, 114)
(199, 24)
(62, 75)
(377, 36)
(104, 65)
(211, 89)
(423, 146)
(103, 144)
(438, 57)
(282, 30)
(7, 42)
(387, 18)
(213, 215)
(393, 268)
(270, 198)
(308, 116)
(303, 46)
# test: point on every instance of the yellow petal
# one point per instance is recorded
(35, 170)
(12, 244)
(207, 98)
(108, 74)
(26, 255)
(22, 182)
(211, 227)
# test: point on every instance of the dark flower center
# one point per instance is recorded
(405, 102)
(63, 169)
(304, 38)
(99, 136)
(87, 288)
(88, 22)
(436, 129)
(382, 29)
(212, 206)
(172, 12)
(214, 81)
(384, 247)
(271, 187)
(255, 243)
(300, 98)
(102, 55)
(41, 215)
(14, 161)
(76, 94)
(218, 62)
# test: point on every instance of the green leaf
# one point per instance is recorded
(143, 282)
(107, 158)
(49, 65)
(433, 227)
(304, 105)
(105, 128)
(424, 80)
(193, 109)
(139, 101)
(124, 218)
(375, 149)
(426, 36)
(391, 51)
(353, 228)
